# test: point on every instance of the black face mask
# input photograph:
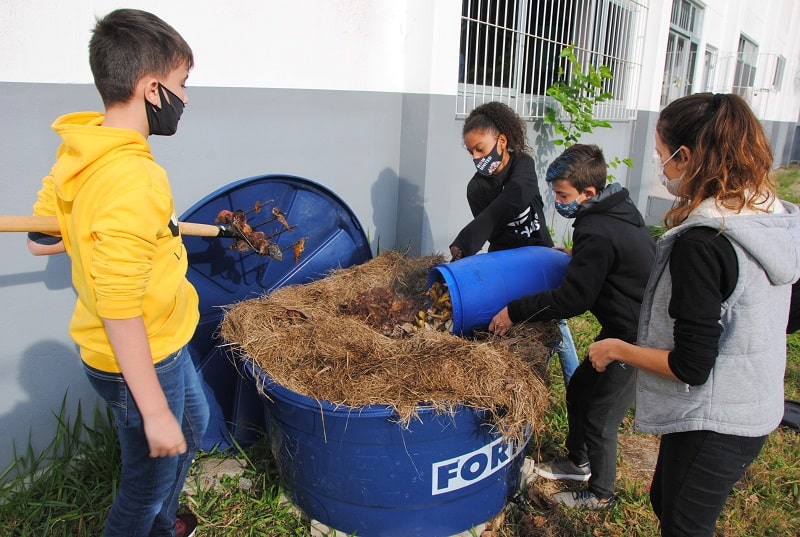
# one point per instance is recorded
(164, 121)
(487, 165)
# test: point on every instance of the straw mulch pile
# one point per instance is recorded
(334, 340)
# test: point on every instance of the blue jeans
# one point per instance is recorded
(149, 488)
(567, 354)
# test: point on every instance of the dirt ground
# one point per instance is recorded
(638, 455)
(637, 461)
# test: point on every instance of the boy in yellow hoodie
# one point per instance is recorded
(136, 311)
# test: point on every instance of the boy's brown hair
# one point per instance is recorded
(581, 165)
(128, 44)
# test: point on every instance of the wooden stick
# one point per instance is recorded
(49, 224)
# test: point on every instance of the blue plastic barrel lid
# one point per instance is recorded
(333, 238)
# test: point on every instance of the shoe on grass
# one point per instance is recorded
(583, 499)
(563, 469)
(185, 524)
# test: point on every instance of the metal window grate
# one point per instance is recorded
(510, 51)
(744, 78)
(753, 75)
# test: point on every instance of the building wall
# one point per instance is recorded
(771, 25)
(349, 94)
(358, 95)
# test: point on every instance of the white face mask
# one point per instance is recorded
(671, 185)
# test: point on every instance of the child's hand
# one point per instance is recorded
(164, 435)
(501, 322)
(567, 251)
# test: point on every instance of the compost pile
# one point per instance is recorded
(341, 339)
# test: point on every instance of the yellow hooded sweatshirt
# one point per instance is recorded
(117, 218)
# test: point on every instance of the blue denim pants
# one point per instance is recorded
(149, 488)
(567, 354)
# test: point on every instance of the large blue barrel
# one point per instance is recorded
(482, 285)
(334, 239)
(358, 471)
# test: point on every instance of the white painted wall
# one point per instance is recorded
(381, 45)
(771, 24)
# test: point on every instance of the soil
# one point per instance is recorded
(383, 309)
(638, 454)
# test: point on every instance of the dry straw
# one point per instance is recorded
(307, 339)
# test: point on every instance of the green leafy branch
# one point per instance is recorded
(577, 92)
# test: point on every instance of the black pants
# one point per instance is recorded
(695, 473)
(596, 405)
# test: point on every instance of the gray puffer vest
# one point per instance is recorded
(744, 393)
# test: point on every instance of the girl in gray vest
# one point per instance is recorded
(711, 348)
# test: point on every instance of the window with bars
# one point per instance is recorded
(682, 45)
(751, 74)
(510, 51)
(746, 65)
(710, 68)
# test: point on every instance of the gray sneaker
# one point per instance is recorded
(563, 469)
(583, 499)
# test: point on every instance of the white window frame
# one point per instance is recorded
(683, 44)
(746, 69)
(710, 60)
(780, 69)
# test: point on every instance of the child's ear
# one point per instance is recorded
(150, 86)
(502, 143)
(589, 192)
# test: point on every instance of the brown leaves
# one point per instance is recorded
(258, 241)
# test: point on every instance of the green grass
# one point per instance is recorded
(788, 183)
(67, 489)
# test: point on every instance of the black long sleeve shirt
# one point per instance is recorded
(704, 272)
(507, 209)
(612, 255)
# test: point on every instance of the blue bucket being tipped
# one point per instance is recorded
(482, 285)
(357, 470)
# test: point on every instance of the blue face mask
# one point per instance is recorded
(568, 210)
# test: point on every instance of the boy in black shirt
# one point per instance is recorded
(612, 254)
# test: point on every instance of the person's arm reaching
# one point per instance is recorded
(605, 351)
